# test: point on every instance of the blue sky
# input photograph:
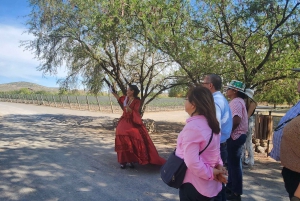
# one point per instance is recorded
(17, 64)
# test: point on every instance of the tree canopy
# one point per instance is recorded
(160, 44)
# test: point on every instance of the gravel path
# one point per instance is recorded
(59, 154)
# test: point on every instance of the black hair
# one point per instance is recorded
(135, 89)
(241, 94)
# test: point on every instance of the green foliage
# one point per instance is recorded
(279, 92)
(178, 91)
(42, 92)
(73, 92)
(99, 39)
(25, 91)
(161, 44)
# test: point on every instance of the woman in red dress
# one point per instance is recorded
(133, 143)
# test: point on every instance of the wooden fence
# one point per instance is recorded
(90, 103)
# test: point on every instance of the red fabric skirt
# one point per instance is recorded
(133, 144)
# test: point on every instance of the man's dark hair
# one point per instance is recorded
(216, 80)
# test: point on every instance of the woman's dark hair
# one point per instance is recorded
(135, 89)
(241, 94)
(203, 100)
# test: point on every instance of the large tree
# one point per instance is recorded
(256, 42)
(150, 41)
(261, 37)
(98, 40)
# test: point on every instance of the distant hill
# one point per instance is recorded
(12, 86)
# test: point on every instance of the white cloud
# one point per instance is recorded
(16, 62)
(10, 38)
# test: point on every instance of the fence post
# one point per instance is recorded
(49, 100)
(62, 102)
(9, 98)
(46, 100)
(98, 103)
(87, 101)
(42, 99)
(270, 126)
(112, 110)
(31, 98)
(37, 99)
(78, 102)
(69, 101)
(54, 101)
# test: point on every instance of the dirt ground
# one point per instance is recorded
(262, 182)
(59, 154)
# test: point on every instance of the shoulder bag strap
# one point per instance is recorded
(208, 143)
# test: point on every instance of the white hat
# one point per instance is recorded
(249, 93)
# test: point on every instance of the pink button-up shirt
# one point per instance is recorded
(238, 108)
(192, 139)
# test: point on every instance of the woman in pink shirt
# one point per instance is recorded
(204, 172)
(235, 92)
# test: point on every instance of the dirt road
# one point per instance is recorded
(59, 154)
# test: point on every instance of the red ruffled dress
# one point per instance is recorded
(133, 143)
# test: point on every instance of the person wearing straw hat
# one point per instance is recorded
(286, 143)
(236, 93)
(247, 154)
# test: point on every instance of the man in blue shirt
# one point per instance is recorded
(214, 83)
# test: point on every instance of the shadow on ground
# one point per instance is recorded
(65, 157)
(61, 157)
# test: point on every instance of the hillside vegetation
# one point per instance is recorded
(14, 86)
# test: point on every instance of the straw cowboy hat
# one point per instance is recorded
(289, 148)
(296, 69)
(237, 85)
(249, 93)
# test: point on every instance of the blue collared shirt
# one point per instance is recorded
(223, 115)
(277, 136)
